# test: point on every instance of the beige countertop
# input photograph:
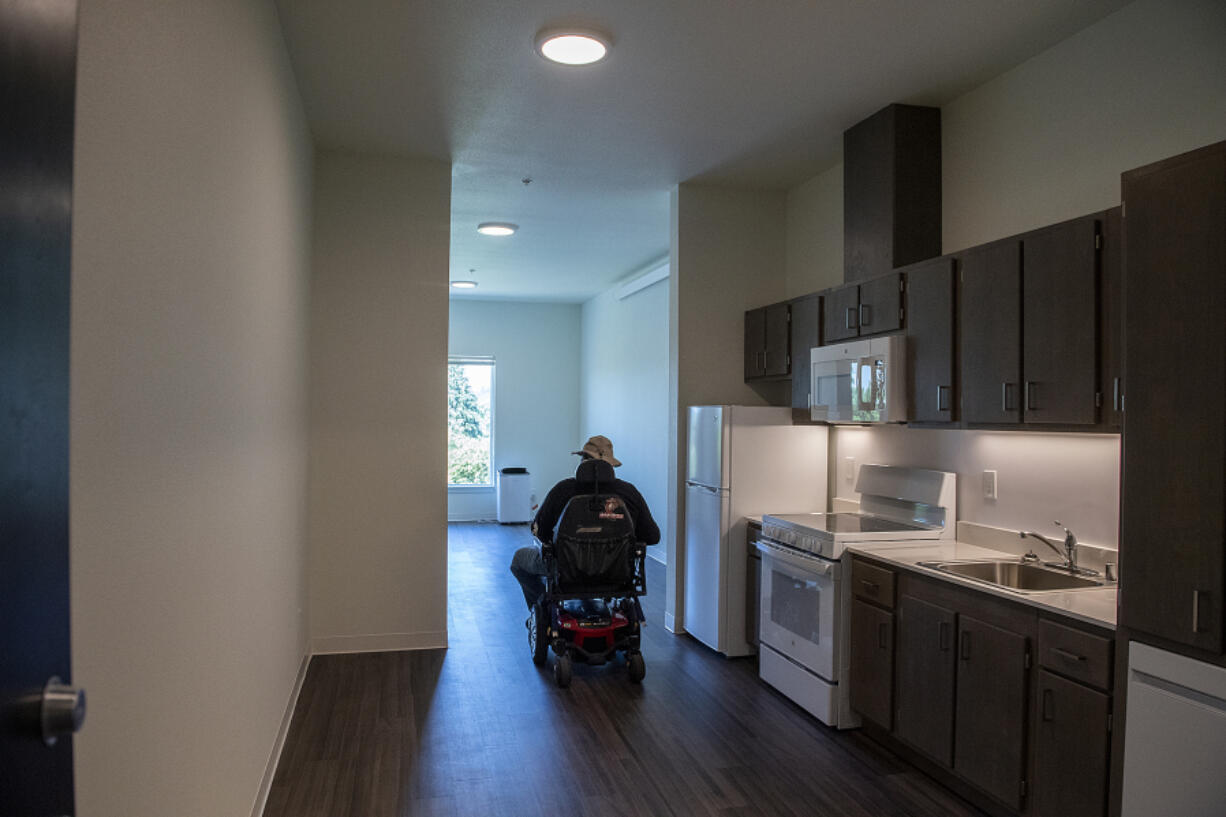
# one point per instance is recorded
(1093, 606)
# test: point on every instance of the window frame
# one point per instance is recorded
(477, 360)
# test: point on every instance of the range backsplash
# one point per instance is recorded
(1039, 477)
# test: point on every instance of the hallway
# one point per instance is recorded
(478, 729)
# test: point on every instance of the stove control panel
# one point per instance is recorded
(793, 538)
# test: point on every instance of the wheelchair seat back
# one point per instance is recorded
(594, 542)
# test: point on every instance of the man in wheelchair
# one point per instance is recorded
(581, 584)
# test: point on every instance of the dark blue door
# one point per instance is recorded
(37, 97)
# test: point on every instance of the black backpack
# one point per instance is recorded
(594, 542)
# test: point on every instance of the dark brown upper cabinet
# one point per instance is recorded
(891, 191)
(1111, 381)
(990, 332)
(1029, 324)
(867, 308)
(932, 388)
(1060, 323)
(767, 342)
(1173, 499)
(806, 333)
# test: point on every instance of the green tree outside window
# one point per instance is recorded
(468, 423)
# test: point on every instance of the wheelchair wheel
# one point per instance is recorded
(637, 667)
(561, 671)
(538, 634)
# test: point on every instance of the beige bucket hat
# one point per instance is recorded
(599, 448)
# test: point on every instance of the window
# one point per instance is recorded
(470, 441)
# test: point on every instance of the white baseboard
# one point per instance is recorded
(670, 624)
(270, 771)
(383, 642)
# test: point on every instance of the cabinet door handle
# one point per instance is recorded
(1197, 596)
(1115, 394)
(1067, 654)
(881, 635)
(764, 362)
(870, 588)
(1049, 705)
(866, 314)
(942, 404)
(851, 318)
(943, 636)
(966, 646)
(1005, 388)
(1031, 389)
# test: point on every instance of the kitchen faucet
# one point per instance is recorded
(1069, 554)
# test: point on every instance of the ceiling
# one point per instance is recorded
(751, 93)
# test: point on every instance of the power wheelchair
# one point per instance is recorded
(595, 574)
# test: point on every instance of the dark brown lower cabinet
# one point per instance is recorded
(872, 662)
(990, 709)
(1007, 702)
(1071, 749)
(925, 716)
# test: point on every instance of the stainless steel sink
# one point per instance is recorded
(1018, 576)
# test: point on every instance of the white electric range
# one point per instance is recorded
(804, 646)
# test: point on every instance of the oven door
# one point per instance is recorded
(799, 606)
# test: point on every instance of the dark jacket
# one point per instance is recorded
(589, 476)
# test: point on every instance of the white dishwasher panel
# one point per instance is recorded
(1175, 736)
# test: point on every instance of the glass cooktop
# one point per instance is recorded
(842, 523)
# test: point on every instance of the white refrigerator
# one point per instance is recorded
(741, 461)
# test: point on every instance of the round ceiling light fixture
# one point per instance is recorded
(463, 284)
(572, 46)
(496, 228)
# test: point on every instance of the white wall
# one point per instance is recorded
(624, 373)
(727, 255)
(1047, 141)
(190, 289)
(378, 400)
(815, 233)
(536, 391)
(1043, 142)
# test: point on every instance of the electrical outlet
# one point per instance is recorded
(849, 470)
(989, 485)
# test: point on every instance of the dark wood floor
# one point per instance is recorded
(478, 729)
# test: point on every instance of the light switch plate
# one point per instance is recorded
(989, 485)
(849, 470)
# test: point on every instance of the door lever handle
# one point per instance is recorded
(62, 710)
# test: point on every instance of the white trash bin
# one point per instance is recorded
(514, 496)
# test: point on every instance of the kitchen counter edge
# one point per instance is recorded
(1095, 606)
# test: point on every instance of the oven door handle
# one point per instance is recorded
(812, 564)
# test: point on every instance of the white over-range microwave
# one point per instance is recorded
(859, 381)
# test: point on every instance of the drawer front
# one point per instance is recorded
(1075, 654)
(872, 583)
